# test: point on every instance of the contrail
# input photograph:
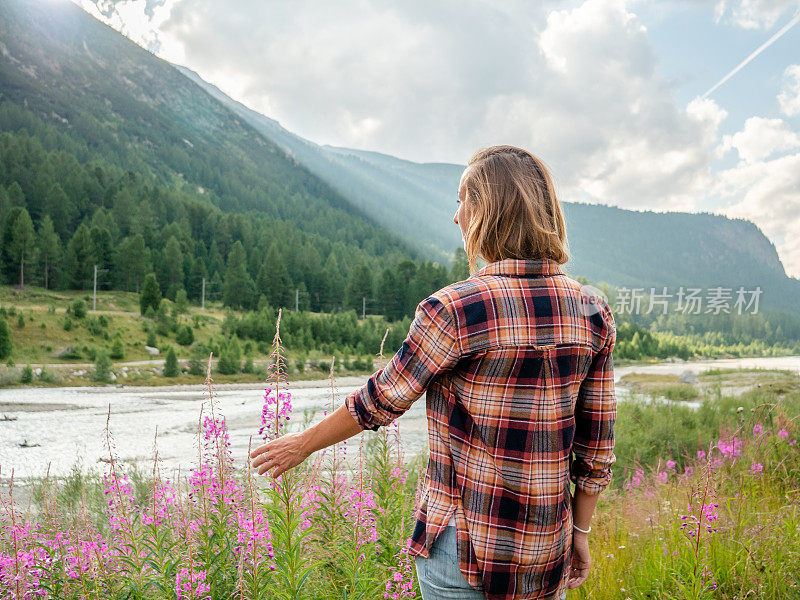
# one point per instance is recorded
(759, 50)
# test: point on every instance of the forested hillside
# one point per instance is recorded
(621, 247)
(110, 157)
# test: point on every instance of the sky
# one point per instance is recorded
(669, 105)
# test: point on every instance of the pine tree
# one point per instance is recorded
(274, 281)
(79, 265)
(359, 287)
(171, 368)
(460, 270)
(172, 266)
(239, 288)
(132, 262)
(181, 302)
(151, 294)
(49, 248)
(18, 242)
(5, 340)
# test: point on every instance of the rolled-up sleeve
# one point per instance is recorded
(595, 414)
(430, 349)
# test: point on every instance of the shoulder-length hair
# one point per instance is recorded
(513, 207)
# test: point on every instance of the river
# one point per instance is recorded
(63, 427)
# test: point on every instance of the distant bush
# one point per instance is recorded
(230, 358)
(102, 367)
(152, 341)
(21, 321)
(103, 320)
(117, 349)
(27, 374)
(79, 309)
(185, 336)
(181, 302)
(171, 368)
(5, 340)
(150, 296)
(67, 324)
(93, 326)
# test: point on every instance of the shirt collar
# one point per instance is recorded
(518, 267)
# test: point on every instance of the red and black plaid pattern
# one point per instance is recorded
(517, 364)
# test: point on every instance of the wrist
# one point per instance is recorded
(576, 530)
(306, 442)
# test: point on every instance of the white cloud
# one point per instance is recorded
(789, 98)
(603, 118)
(760, 139)
(768, 193)
(753, 14)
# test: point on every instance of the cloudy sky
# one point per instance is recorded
(626, 100)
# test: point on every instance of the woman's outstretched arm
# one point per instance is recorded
(292, 449)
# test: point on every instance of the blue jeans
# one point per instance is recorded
(440, 577)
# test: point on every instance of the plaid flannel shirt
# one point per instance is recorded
(517, 364)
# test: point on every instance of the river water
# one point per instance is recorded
(63, 427)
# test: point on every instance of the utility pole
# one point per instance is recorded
(363, 307)
(94, 287)
(203, 298)
(297, 301)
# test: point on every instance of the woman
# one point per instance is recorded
(517, 364)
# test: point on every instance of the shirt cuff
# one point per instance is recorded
(356, 408)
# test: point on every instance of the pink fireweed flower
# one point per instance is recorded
(701, 455)
(662, 477)
(164, 498)
(275, 413)
(707, 514)
(401, 582)
(670, 465)
(783, 434)
(191, 585)
(757, 429)
(756, 469)
(730, 448)
(360, 512)
(636, 480)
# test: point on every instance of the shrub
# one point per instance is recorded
(185, 336)
(103, 321)
(79, 309)
(93, 326)
(117, 349)
(150, 296)
(102, 367)
(181, 302)
(27, 374)
(67, 324)
(5, 340)
(249, 367)
(152, 341)
(21, 321)
(230, 358)
(171, 368)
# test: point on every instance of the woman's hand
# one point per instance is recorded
(282, 454)
(581, 561)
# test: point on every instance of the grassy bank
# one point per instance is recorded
(704, 504)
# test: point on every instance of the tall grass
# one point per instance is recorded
(705, 505)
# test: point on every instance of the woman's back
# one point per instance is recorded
(517, 364)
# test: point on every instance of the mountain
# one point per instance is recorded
(416, 201)
(636, 249)
(125, 106)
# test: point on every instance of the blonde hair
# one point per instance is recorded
(513, 207)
